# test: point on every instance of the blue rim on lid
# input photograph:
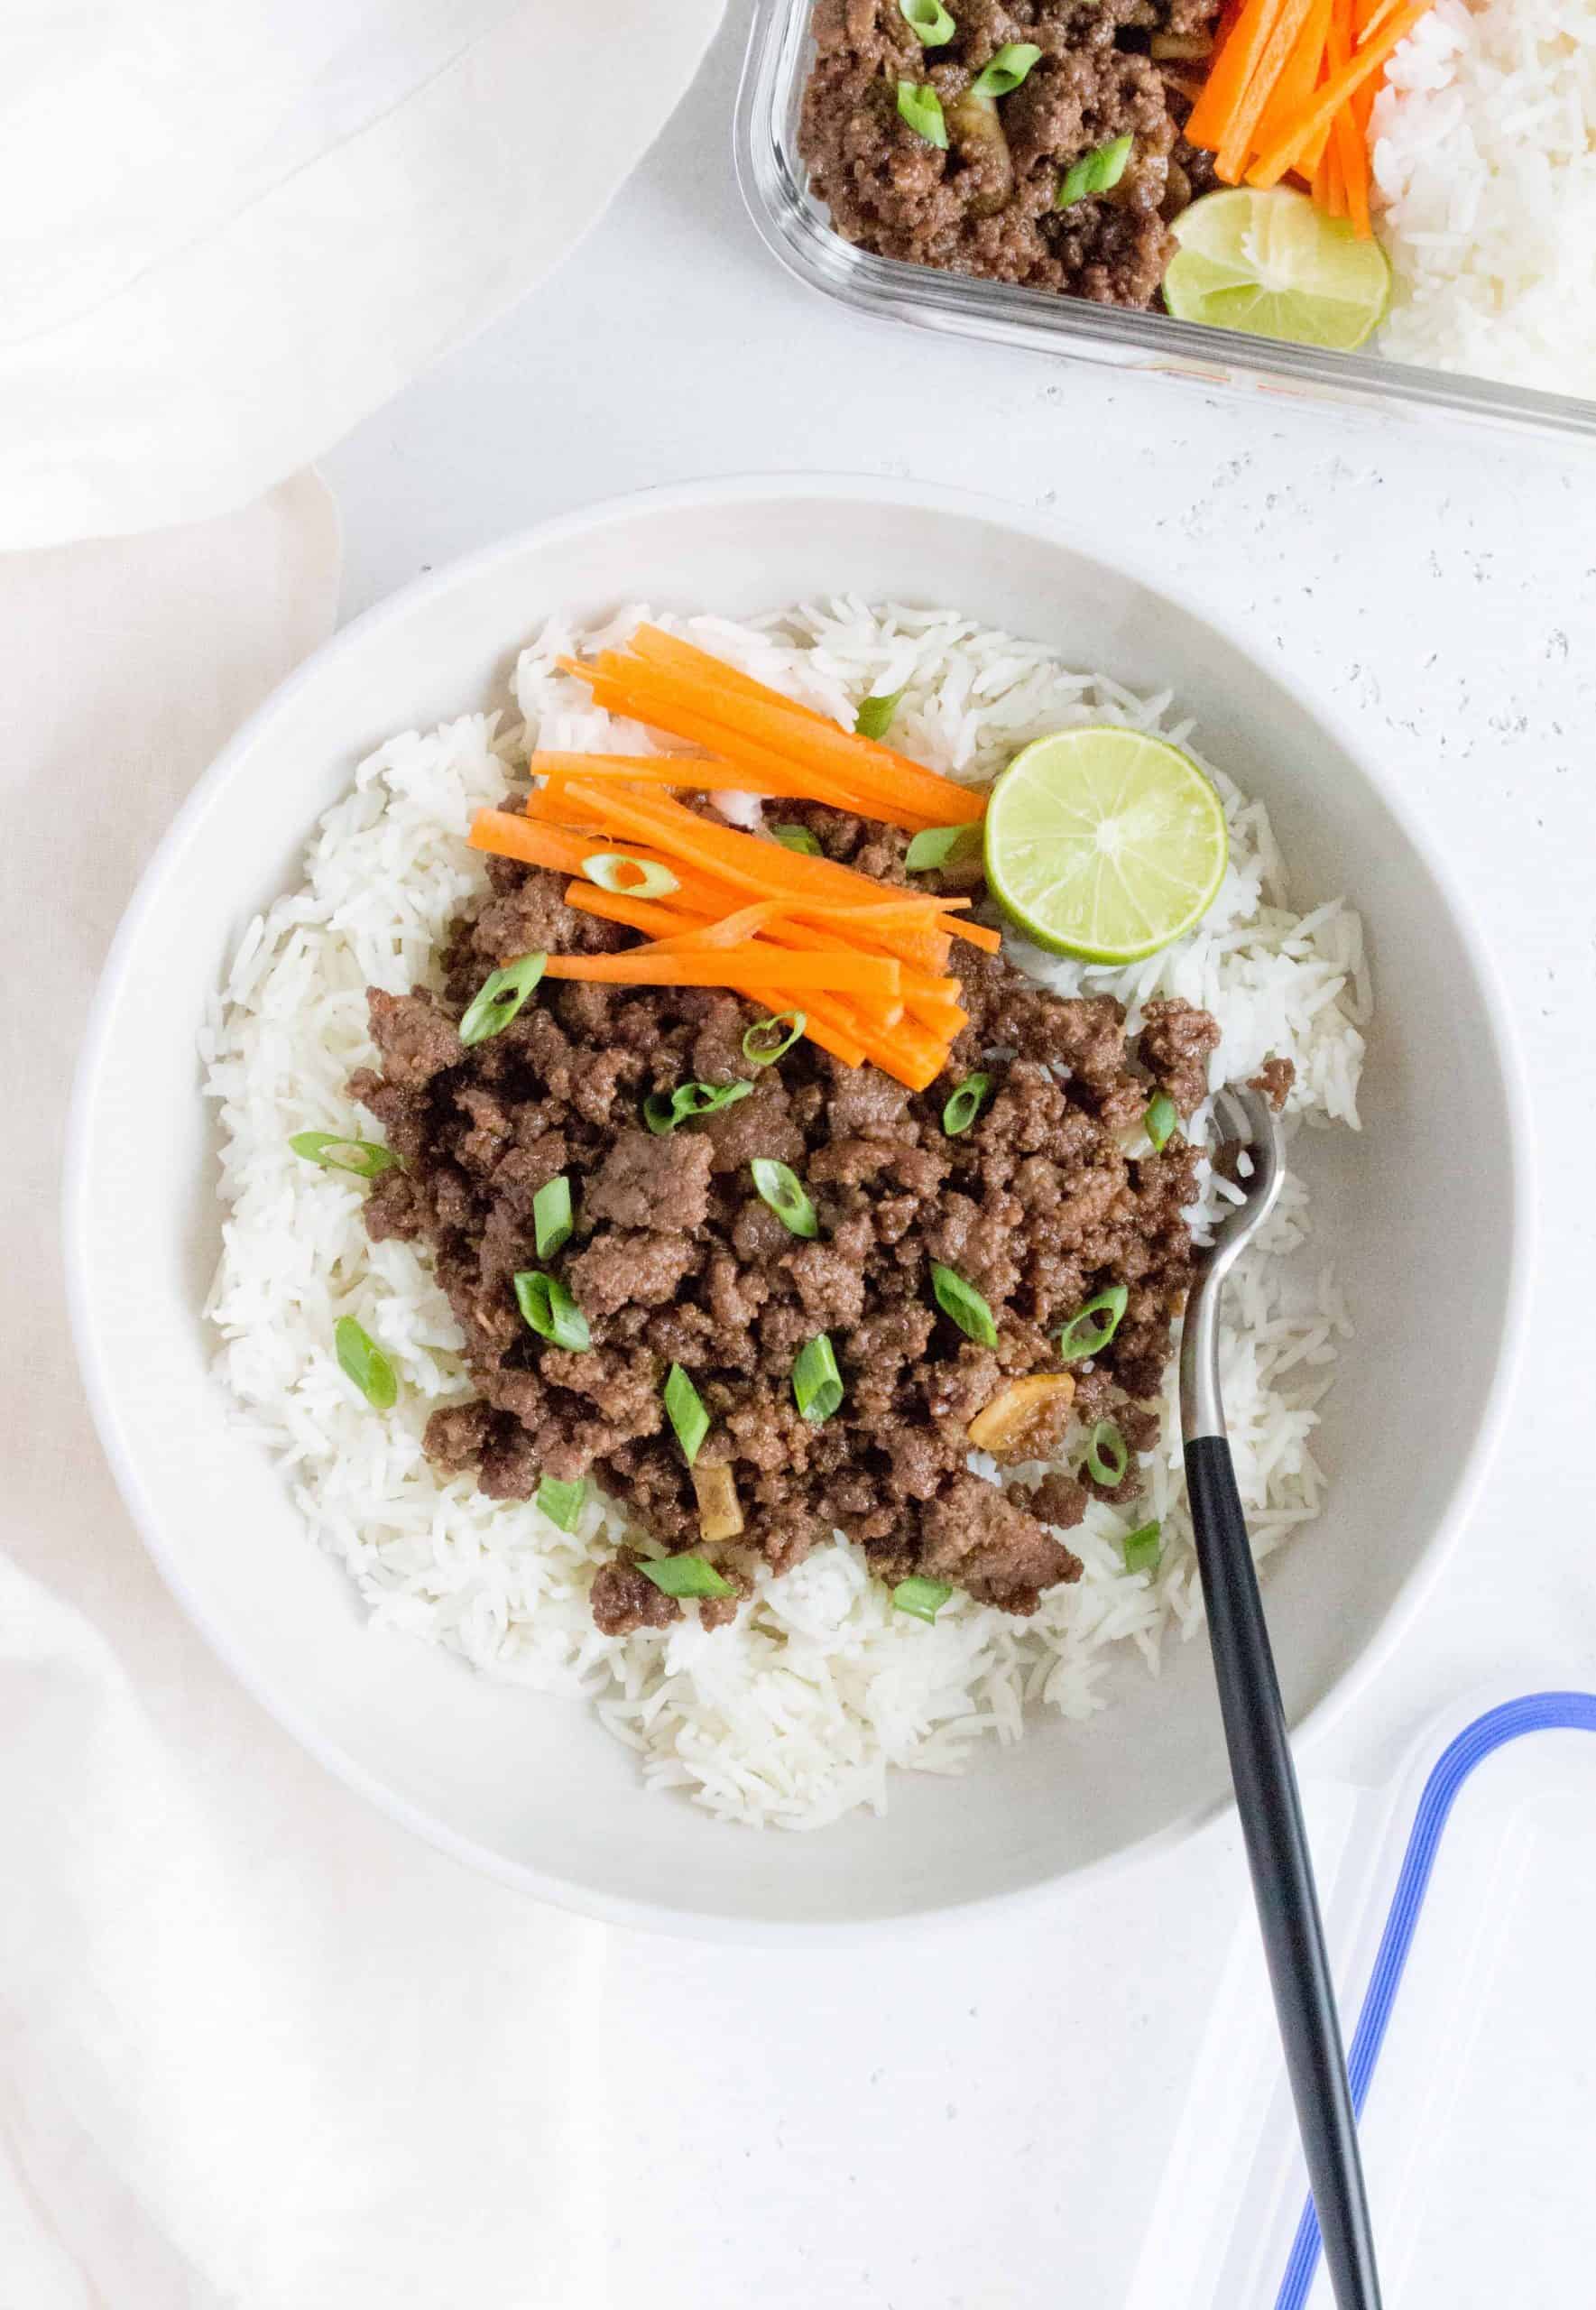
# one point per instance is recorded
(1547, 1712)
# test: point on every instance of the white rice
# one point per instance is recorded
(792, 1715)
(1483, 145)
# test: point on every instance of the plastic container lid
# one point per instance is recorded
(1461, 1911)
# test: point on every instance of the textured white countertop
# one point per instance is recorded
(980, 2117)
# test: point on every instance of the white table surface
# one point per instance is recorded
(979, 2118)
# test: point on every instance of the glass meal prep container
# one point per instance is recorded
(796, 228)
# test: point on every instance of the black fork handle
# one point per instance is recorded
(1282, 1873)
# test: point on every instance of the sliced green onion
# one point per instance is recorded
(1097, 171)
(874, 718)
(363, 1156)
(685, 1409)
(562, 1502)
(929, 21)
(363, 1362)
(797, 839)
(1107, 1454)
(940, 846)
(921, 107)
(923, 1598)
(633, 878)
(686, 1576)
(768, 1040)
(964, 1304)
(1143, 1548)
(662, 1112)
(551, 1216)
(1160, 1121)
(781, 1187)
(551, 1310)
(817, 1384)
(1090, 1329)
(1007, 69)
(499, 998)
(965, 1104)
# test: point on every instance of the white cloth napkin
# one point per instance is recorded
(257, 2047)
(228, 233)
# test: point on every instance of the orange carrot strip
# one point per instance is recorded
(1329, 99)
(507, 835)
(826, 1022)
(774, 725)
(762, 869)
(1230, 74)
(671, 652)
(694, 771)
(1285, 34)
(1298, 78)
(870, 977)
(1350, 151)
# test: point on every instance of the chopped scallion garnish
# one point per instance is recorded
(1090, 1329)
(363, 1156)
(686, 1576)
(662, 1111)
(965, 1104)
(921, 107)
(363, 1360)
(551, 1216)
(923, 1598)
(817, 1384)
(964, 1304)
(499, 997)
(874, 718)
(633, 878)
(1007, 69)
(942, 846)
(929, 21)
(768, 1040)
(1143, 1548)
(797, 839)
(1107, 1454)
(781, 1187)
(562, 1502)
(1097, 171)
(1160, 1121)
(684, 1407)
(551, 1310)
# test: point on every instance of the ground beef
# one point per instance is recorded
(989, 204)
(674, 1259)
(1274, 1080)
(1177, 1040)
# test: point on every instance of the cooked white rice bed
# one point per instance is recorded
(791, 1716)
(1483, 143)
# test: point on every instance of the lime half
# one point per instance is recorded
(1271, 264)
(1104, 844)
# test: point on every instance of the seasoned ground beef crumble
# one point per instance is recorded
(676, 1259)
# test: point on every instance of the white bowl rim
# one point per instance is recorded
(691, 496)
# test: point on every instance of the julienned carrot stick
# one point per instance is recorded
(825, 1022)
(913, 906)
(669, 649)
(793, 734)
(763, 869)
(694, 771)
(507, 835)
(1350, 151)
(1299, 77)
(1285, 33)
(909, 1054)
(1329, 99)
(1232, 72)
(871, 977)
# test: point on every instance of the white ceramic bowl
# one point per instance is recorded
(1431, 1240)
